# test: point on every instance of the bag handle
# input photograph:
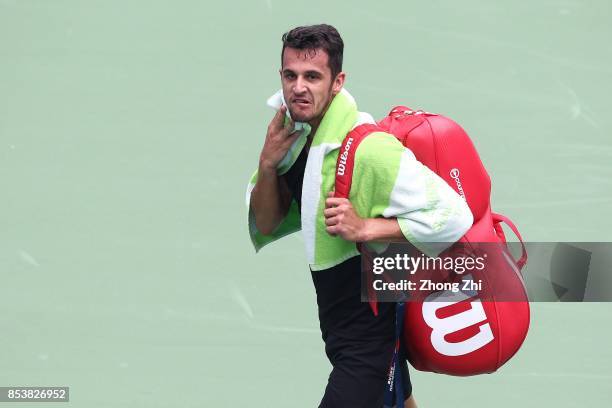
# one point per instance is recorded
(497, 220)
(344, 178)
(346, 158)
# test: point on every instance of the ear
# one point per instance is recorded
(338, 83)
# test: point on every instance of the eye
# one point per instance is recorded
(289, 75)
(312, 77)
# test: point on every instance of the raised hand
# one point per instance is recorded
(278, 140)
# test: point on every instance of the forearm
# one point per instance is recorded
(382, 230)
(269, 200)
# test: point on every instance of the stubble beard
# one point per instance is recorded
(316, 116)
(300, 118)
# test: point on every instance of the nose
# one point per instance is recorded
(299, 85)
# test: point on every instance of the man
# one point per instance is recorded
(393, 198)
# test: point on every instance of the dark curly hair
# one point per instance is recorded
(320, 36)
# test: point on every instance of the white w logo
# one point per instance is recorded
(454, 323)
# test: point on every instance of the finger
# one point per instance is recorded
(293, 136)
(289, 125)
(287, 142)
(277, 120)
(287, 129)
(330, 194)
(334, 201)
(333, 230)
(332, 211)
(332, 221)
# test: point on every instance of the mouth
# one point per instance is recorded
(301, 102)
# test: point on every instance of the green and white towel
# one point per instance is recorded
(388, 182)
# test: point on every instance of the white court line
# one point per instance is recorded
(241, 300)
(26, 257)
(577, 107)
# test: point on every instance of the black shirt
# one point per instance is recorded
(338, 288)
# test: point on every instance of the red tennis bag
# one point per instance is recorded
(460, 334)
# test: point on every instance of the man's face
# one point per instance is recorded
(308, 86)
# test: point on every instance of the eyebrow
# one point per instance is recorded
(309, 72)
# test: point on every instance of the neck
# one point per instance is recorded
(314, 124)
